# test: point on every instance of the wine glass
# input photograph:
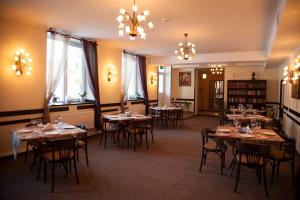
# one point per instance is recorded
(236, 123)
(253, 123)
(258, 125)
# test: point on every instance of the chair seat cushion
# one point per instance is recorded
(277, 154)
(80, 143)
(48, 156)
(211, 145)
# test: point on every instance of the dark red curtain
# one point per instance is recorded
(143, 72)
(91, 57)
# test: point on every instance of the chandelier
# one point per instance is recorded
(292, 73)
(185, 50)
(132, 23)
(217, 69)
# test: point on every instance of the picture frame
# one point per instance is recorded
(185, 79)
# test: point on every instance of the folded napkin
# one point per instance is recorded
(48, 127)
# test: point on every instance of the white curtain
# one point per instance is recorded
(57, 54)
(131, 80)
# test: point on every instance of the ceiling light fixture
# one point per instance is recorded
(132, 24)
(217, 68)
(292, 73)
(185, 50)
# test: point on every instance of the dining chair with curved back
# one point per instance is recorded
(286, 153)
(58, 152)
(138, 128)
(253, 156)
(210, 143)
(82, 143)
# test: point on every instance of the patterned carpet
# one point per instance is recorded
(168, 170)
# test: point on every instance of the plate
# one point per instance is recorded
(269, 133)
(24, 131)
(68, 126)
(224, 130)
(247, 135)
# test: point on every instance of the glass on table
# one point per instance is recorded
(258, 125)
(237, 123)
(253, 123)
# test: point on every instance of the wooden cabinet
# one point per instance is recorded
(246, 92)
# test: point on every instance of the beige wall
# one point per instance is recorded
(27, 92)
(289, 126)
(185, 92)
(21, 92)
(244, 73)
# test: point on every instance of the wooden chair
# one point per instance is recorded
(138, 128)
(108, 129)
(82, 143)
(286, 153)
(212, 144)
(253, 156)
(62, 153)
(179, 117)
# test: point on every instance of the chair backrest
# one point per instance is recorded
(140, 124)
(64, 146)
(206, 133)
(255, 153)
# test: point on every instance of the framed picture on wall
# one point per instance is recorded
(296, 89)
(185, 79)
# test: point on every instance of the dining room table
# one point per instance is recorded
(249, 117)
(255, 135)
(248, 111)
(42, 133)
(167, 114)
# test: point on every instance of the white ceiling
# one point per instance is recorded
(215, 26)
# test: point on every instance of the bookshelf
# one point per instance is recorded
(246, 92)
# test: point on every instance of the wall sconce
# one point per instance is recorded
(292, 73)
(153, 79)
(112, 73)
(204, 76)
(22, 63)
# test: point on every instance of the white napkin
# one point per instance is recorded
(48, 127)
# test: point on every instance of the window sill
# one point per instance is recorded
(71, 103)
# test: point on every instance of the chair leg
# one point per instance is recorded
(258, 173)
(86, 156)
(234, 162)
(77, 152)
(265, 181)
(237, 177)
(147, 140)
(134, 141)
(278, 165)
(53, 177)
(202, 160)
(293, 171)
(152, 135)
(273, 171)
(75, 169)
(101, 137)
(39, 168)
(45, 171)
(205, 156)
(26, 153)
(222, 162)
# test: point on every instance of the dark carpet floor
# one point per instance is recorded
(168, 170)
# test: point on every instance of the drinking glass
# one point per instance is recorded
(236, 123)
(253, 123)
(258, 125)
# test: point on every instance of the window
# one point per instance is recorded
(131, 81)
(66, 57)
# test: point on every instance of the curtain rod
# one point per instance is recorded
(124, 51)
(51, 30)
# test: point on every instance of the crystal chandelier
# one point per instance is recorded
(292, 73)
(132, 23)
(217, 69)
(185, 50)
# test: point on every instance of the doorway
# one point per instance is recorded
(210, 89)
(164, 85)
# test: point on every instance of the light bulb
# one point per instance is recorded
(14, 67)
(150, 24)
(140, 29)
(28, 73)
(134, 8)
(18, 53)
(23, 61)
(143, 36)
(146, 12)
(139, 17)
(16, 58)
(121, 33)
(121, 25)
(29, 60)
(29, 68)
(22, 51)
(193, 45)
(120, 18)
(122, 11)
(27, 54)
(176, 52)
(18, 73)
(180, 44)
(127, 29)
(189, 44)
